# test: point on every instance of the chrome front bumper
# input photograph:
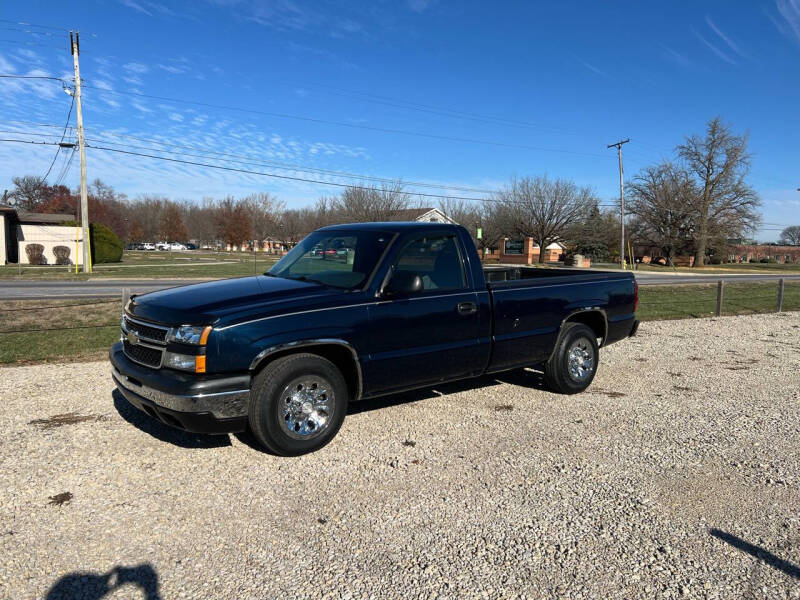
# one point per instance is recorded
(222, 405)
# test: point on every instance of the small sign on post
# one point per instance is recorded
(479, 233)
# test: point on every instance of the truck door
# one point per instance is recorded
(429, 335)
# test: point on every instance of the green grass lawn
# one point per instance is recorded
(42, 330)
(771, 268)
(700, 300)
(37, 330)
(154, 265)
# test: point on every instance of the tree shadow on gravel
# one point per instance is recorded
(519, 377)
(85, 585)
(768, 557)
(165, 433)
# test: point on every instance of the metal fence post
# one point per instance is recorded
(126, 295)
(780, 295)
(720, 288)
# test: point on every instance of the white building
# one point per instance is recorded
(38, 238)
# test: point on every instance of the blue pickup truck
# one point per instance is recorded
(353, 312)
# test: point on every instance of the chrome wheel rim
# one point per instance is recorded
(306, 407)
(580, 360)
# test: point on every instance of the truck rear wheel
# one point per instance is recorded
(298, 403)
(573, 365)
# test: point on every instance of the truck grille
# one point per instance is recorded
(144, 331)
(145, 355)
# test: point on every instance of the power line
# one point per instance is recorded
(6, 76)
(427, 108)
(281, 166)
(66, 125)
(349, 125)
(29, 24)
(67, 165)
(252, 161)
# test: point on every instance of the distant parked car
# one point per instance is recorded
(148, 246)
(191, 246)
(162, 246)
(177, 246)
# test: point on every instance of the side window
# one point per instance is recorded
(436, 260)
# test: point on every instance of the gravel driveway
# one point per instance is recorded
(675, 475)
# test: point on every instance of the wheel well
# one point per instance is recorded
(339, 355)
(594, 319)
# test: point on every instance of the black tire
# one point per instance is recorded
(557, 372)
(279, 415)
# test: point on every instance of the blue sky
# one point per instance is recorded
(542, 86)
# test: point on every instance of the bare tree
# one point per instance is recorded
(790, 236)
(661, 199)
(461, 211)
(491, 219)
(30, 192)
(724, 205)
(364, 203)
(544, 209)
(172, 226)
(264, 212)
(148, 211)
(200, 219)
(295, 225)
(232, 222)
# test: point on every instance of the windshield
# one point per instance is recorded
(343, 259)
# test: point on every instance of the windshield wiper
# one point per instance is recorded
(309, 279)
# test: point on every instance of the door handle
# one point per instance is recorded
(467, 308)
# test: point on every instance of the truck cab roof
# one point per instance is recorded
(392, 226)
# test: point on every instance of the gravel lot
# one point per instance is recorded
(675, 475)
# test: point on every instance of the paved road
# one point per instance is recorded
(31, 290)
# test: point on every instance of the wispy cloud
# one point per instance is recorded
(171, 69)
(675, 56)
(725, 38)
(591, 67)
(720, 54)
(420, 5)
(288, 15)
(789, 22)
(324, 54)
(135, 67)
(150, 8)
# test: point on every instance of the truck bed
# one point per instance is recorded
(496, 276)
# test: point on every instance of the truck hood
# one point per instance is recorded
(205, 303)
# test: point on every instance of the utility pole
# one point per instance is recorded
(618, 145)
(75, 47)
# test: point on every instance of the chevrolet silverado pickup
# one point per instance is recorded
(353, 312)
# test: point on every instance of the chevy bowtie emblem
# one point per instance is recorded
(133, 338)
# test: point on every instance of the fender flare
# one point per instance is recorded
(309, 345)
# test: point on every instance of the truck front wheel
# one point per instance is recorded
(574, 362)
(297, 404)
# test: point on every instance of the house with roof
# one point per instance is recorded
(422, 215)
(38, 238)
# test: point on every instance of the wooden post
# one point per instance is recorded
(720, 292)
(780, 295)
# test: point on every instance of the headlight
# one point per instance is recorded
(184, 362)
(190, 334)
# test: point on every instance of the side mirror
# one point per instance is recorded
(403, 283)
